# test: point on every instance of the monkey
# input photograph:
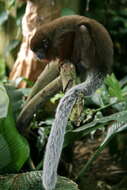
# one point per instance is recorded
(87, 44)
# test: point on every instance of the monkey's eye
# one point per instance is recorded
(45, 43)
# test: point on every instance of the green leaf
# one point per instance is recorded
(115, 128)
(16, 98)
(12, 45)
(56, 97)
(118, 19)
(2, 6)
(123, 12)
(2, 68)
(3, 17)
(11, 3)
(114, 87)
(120, 116)
(20, 12)
(4, 102)
(32, 181)
(14, 149)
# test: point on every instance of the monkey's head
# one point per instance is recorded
(41, 48)
(49, 46)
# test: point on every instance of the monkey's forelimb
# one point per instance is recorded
(36, 102)
(50, 72)
(56, 138)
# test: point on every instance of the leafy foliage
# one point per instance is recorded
(4, 103)
(14, 149)
(33, 182)
(112, 96)
(11, 13)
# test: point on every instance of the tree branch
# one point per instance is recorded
(68, 75)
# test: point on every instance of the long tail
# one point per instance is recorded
(56, 138)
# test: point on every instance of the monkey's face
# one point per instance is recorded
(41, 48)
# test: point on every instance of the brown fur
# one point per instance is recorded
(62, 33)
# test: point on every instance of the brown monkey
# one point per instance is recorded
(87, 44)
(57, 38)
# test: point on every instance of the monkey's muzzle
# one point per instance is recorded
(40, 54)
